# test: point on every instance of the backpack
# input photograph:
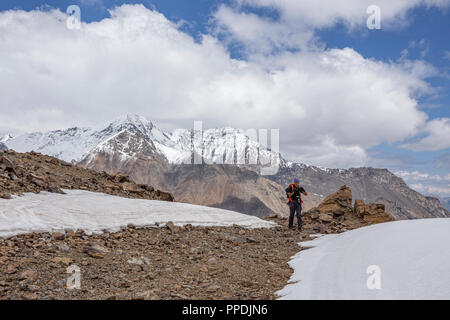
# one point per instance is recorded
(287, 194)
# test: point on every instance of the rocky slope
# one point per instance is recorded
(135, 146)
(149, 263)
(154, 263)
(230, 187)
(33, 172)
(162, 262)
(368, 184)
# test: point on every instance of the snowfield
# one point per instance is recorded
(95, 212)
(410, 260)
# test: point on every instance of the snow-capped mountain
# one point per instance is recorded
(135, 146)
(74, 144)
(222, 145)
(5, 138)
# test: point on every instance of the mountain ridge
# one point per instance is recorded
(133, 145)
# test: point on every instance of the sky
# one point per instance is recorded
(341, 93)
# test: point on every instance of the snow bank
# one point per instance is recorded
(413, 258)
(95, 212)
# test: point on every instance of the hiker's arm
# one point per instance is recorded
(305, 193)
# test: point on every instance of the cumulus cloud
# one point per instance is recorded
(298, 18)
(437, 136)
(330, 105)
(428, 184)
(427, 189)
(417, 176)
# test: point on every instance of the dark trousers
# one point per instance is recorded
(295, 208)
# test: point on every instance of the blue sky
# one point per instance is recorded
(420, 38)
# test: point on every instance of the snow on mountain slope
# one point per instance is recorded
(222, 145)
(225, 146)
(413, 258)
(95, 212)
(66, 145)
(5, 138)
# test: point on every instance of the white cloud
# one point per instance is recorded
(437, 191)
(422, 46)
(428, 184)
(331, 105)
(299, 18)
(437, 136)
(417, 176)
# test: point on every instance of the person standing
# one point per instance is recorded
(294, 192)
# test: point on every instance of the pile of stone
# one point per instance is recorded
(34, 172)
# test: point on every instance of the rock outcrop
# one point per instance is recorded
(3, 146)
(372, 212)
(338, 209)
(34, 172)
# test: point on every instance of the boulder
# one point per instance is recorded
(131, 187)
(372, 212)
(359, 208)
(5, 195)
(30, 275)
(121, 178)
(7, 164)
(58, 236)
(334, 206)
(324, 217)
(96, 251)
(164, 196)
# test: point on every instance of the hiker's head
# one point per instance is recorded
(296, 182)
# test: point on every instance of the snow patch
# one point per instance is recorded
(413, 257)
(95, 212)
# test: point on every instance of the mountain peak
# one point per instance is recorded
(6, 137)
(134, 119)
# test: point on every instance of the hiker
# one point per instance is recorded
(295, 202)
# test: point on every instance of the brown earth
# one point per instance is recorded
(151, 263)
(34, 172)
(158, 263)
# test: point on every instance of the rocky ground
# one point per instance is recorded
(34, 172)
(151, 263)
(158, 263)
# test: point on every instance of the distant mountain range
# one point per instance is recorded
(135, 146)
